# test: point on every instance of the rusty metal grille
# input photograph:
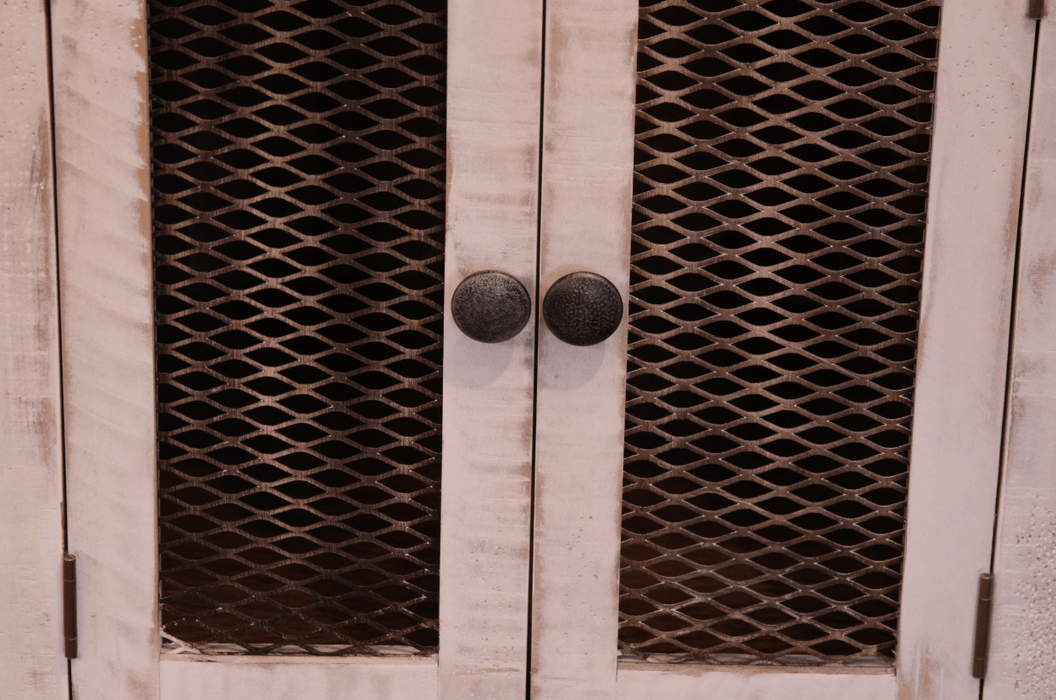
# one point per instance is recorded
(298, 163)
(782, 160)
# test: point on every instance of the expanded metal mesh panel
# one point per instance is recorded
(778, 231)
(298, 191)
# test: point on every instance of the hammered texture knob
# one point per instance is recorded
(491, 306)
(583, 308)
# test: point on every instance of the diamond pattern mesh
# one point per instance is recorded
(298, 200)
(778, 231)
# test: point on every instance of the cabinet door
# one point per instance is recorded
(237, 88)
(727, 72)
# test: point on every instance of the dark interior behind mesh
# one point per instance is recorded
(298, 155)
(781, 165)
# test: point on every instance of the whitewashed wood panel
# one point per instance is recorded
(638, 681)
(297, 678)
(494, 88)
(108, 358)
(985, 57)
(1022, 664)
(588, 139)
(32, 665)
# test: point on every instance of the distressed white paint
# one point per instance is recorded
(493, 133)
(32, 666)
(588, 139)
(1022, 664)
(640, 681)
(297, 678)
(985, 59)
(108, 357)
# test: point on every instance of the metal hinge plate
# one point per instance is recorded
(982, 625)
(69, 604)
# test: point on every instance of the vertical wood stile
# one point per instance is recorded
(588, 138)
(31, 659)
(1021, 664)
(494, 58)
(985, 58)
(108, 363)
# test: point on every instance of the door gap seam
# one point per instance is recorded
(53, 145)
(535, 353)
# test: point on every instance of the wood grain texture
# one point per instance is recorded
(492, 201)
(108, 359)
(588, 138)
(639, 681)
(297, 678)
(985, 58)
(1022, 665)
(31, 658)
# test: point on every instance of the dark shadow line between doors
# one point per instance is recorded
(50, 77)
(535, 354)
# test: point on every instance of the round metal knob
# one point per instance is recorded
(491, 306)
(583, 308)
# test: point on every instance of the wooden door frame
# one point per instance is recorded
(1024, 626)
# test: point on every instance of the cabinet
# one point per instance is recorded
(540, 173)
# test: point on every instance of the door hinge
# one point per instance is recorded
(1035, 9)
(983, 605)
(69, 604)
